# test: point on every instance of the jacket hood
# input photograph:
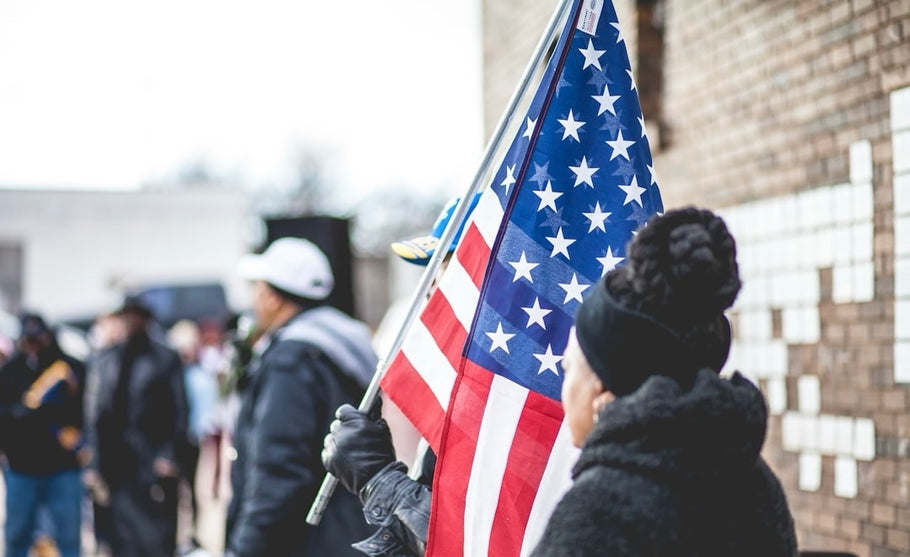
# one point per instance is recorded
(343, 339)
(715, 428)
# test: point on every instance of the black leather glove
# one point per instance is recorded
(356, 448)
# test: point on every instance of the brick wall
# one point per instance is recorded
(784, 115)
(792, 118)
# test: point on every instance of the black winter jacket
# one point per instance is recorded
(318, 361)
(667, 472)
(41, 413)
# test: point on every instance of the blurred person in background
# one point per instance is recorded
(41, 421)
(136, 417)
(310, 359)
(107, 330)
(202, 395)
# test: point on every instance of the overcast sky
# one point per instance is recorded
(117, 93)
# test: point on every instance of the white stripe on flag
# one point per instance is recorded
(500, 420)
(556, 480)
(488, 215)
(425, 356)
(460, 291)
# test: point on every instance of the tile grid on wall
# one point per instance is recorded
(782, 243)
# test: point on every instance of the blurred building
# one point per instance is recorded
(70, 254)
(791, 118)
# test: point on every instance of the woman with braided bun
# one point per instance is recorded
(670, 461)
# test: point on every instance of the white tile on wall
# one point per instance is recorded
(810, 471)
(844, 445)
(843, 204)
(788, 213)
(900, 109)
(861, 242)
(775, 356)
(902, 361)
(842, 287)
(777, 395)
(900, 146)
(810, 324)
(827, 434)
(845, 480)
(824, 247)
(863, 439)
(861, 161)
(902, 277)
(864, 282)
(863, 202)
(791, 324)
(902, 319)
(902, 235)
(808, 394)
(902, 194)
(809, 435)
(843, 239)
(790, 429)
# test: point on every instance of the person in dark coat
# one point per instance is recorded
(41, 434)
(311, 359)
(137, 413)
(670, 462)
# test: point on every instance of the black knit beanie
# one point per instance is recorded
(662, 313)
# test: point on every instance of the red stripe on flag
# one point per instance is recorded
(537, 429)
(408, 390)
(474, 255)
(446, 536)
(444, 327)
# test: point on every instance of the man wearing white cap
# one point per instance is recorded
(311, 359)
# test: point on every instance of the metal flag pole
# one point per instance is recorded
(330, 482)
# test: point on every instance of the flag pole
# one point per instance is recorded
(330, 482)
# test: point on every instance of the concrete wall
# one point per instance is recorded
(792, 118)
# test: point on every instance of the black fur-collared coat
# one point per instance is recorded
(668, 472)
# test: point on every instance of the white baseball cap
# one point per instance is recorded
(294, 265)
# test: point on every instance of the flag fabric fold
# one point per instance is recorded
(479, 373)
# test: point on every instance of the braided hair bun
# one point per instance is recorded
(681, 270)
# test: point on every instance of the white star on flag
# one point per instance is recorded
(522, 268)
(620, 147)
(573, 289)
(560, 244)
(592, 56)
(653, 176)
(509, 179)
(609, 261)
(606, 101)
(536, 314)
(547, 197)
(619, 38)
(633, 192)
(597, 218)
(500, 339)
(570, 126)
(583, 173)
(529, 129)
(548, 361)
(631, 78)
(644, 132)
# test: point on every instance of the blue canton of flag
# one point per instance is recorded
(576, 182)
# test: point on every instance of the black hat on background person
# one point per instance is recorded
(135, 305)
(32, 326)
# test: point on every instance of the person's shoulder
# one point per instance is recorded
(289, 355)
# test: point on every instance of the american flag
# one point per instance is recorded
(479, 372)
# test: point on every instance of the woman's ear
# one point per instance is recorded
(601, 400)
